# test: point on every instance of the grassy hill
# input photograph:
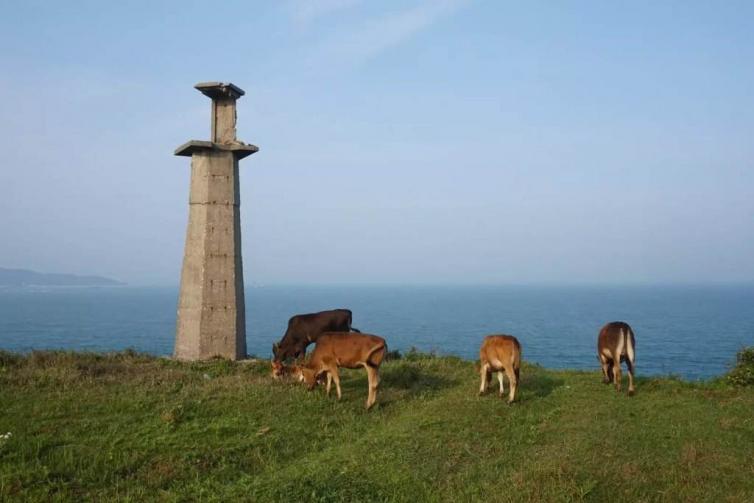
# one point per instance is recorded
(134, 428)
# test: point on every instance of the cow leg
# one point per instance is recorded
(484, 372)
(376, 383)
(373, 378)
(370, 381)
(336, 378)
(616, 374)
(605, 363)
(630, 365)
(512, 383)
(502, 386)
(329, 383)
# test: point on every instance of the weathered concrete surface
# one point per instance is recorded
(211, 306)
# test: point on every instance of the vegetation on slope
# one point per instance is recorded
(131, 427)
(743, 373)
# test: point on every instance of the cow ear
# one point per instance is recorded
(275, 347)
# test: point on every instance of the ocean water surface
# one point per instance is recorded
(689, 331)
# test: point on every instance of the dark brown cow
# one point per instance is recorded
(344, 350)
(616, 344)
(303, 329)
(501, 353)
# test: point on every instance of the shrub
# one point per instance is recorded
(393, 355)
(414, 354)
(8, 359)
(743, 373)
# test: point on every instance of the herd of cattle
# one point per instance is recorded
(339, 345)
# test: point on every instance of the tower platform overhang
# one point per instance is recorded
(240, 150)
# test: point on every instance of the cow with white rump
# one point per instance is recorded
(616, 344)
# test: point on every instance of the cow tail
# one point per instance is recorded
(630, 349)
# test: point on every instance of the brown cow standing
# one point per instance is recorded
(616, 344)
(501, 353)
(344, 350)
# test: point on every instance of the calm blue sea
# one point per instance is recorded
(690, 331)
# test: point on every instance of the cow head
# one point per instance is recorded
(287, 351)
(278, 369)
(305, 375)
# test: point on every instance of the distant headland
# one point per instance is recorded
(24, 277)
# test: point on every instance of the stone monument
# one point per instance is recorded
(211, 307)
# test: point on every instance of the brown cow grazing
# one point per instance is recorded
(278, 369)
(303, 329)
(616, 344)
(281, 371)
(501, 353)
(351, 350)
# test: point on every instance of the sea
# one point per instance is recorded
(692, 332)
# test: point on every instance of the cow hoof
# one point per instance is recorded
(631, 392)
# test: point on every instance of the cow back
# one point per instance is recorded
(500, 348)
(349, 349)
(616, 339)
(304, 329)
(312, 325)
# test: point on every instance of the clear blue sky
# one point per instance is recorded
(407, 141)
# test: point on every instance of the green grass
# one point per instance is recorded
(135, 428)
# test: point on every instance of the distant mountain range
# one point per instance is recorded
(23, 277)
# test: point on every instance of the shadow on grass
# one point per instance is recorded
(402, 377)
(535, 382)
(539, 385)
(414, 379)
(397, 383)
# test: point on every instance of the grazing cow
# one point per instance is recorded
(278, 369)
(616, 344)
(281, 370)
(303, 329)
(501, 353)
(336, 350)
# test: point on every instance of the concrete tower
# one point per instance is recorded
(211, 307)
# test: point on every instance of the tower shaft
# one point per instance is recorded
(211, 305)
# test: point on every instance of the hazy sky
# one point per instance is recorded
(408, 141)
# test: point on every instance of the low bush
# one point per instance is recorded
(743, 373)
(393, 355)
